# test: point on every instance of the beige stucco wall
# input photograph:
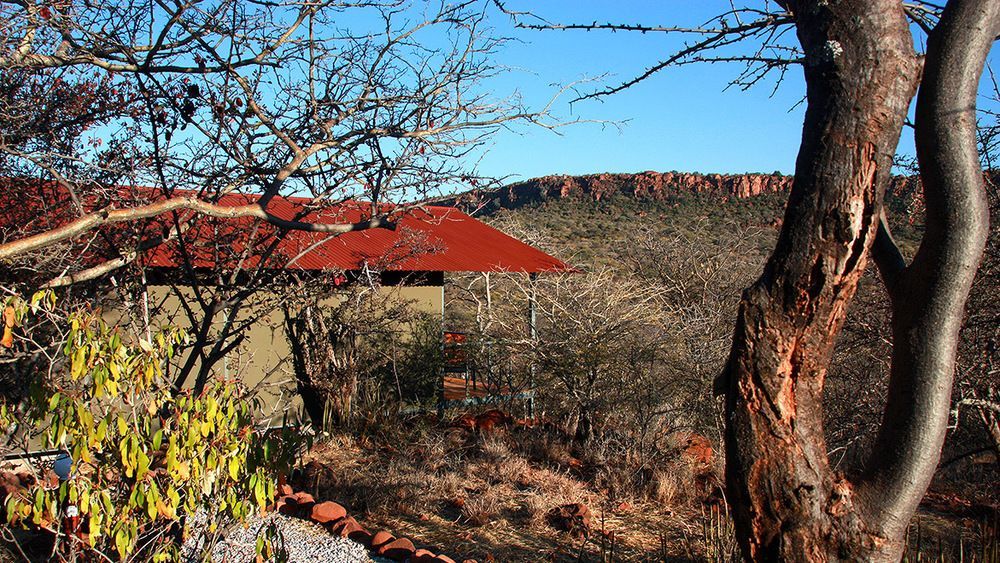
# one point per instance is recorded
(263, 360)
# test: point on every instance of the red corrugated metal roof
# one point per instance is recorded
(426, 239)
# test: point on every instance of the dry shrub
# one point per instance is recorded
(479, 510)
(618, 480)
(545, 447)
(494, 447)
(675, 483)
(557, 452)
(536, 507)
(555, 487)
(512, 470)
(667, 487)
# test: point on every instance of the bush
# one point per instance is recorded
(144, 457)
(418, 367)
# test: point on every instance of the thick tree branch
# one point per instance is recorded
(109, 216)
(928, 312)
(125, 259)
(888, 258)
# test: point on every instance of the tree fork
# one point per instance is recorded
(789, 504)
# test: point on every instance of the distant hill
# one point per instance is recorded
(649, 186)
(595, 215)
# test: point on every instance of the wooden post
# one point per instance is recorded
(533, 334)
(443, 371)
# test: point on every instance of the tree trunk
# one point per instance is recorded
(325, 365)
(584, 426)
(298, 331)
(928, 296)
(861, 72)
(788, 504)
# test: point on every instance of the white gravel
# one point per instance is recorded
(304, 542)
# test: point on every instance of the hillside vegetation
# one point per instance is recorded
(682, 230)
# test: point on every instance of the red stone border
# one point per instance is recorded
(335, 519)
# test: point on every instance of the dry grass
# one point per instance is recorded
(482, 496)
(493, 447)
(478, 496)
(480, 509)
(665, 488)
(536, 507)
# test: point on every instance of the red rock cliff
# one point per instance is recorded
(654, 186)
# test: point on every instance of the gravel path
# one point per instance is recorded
(304, 541)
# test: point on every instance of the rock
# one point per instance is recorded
(423, 556)
(648, 185)
(624, 507)
(327, 512)
(346, 526)
(362, 536)
(493, 419)
(381, 538)
(398, 550)
(285, 490)
(298, 504)
(466, 421)
(444, 559)
(282, 505)
(653, 186)
(696, 448)
(573, 518)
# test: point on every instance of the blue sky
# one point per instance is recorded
(680, 119)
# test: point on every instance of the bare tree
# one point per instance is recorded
(699, 282)
(597, 333)
(263, 99)
(177, 107)
(339, 338)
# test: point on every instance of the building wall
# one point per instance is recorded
(263, 360)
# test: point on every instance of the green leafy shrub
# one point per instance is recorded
(145, 457)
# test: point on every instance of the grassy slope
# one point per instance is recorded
(595, 231)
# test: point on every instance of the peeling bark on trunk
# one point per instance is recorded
(789, 504)
(861, 73)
